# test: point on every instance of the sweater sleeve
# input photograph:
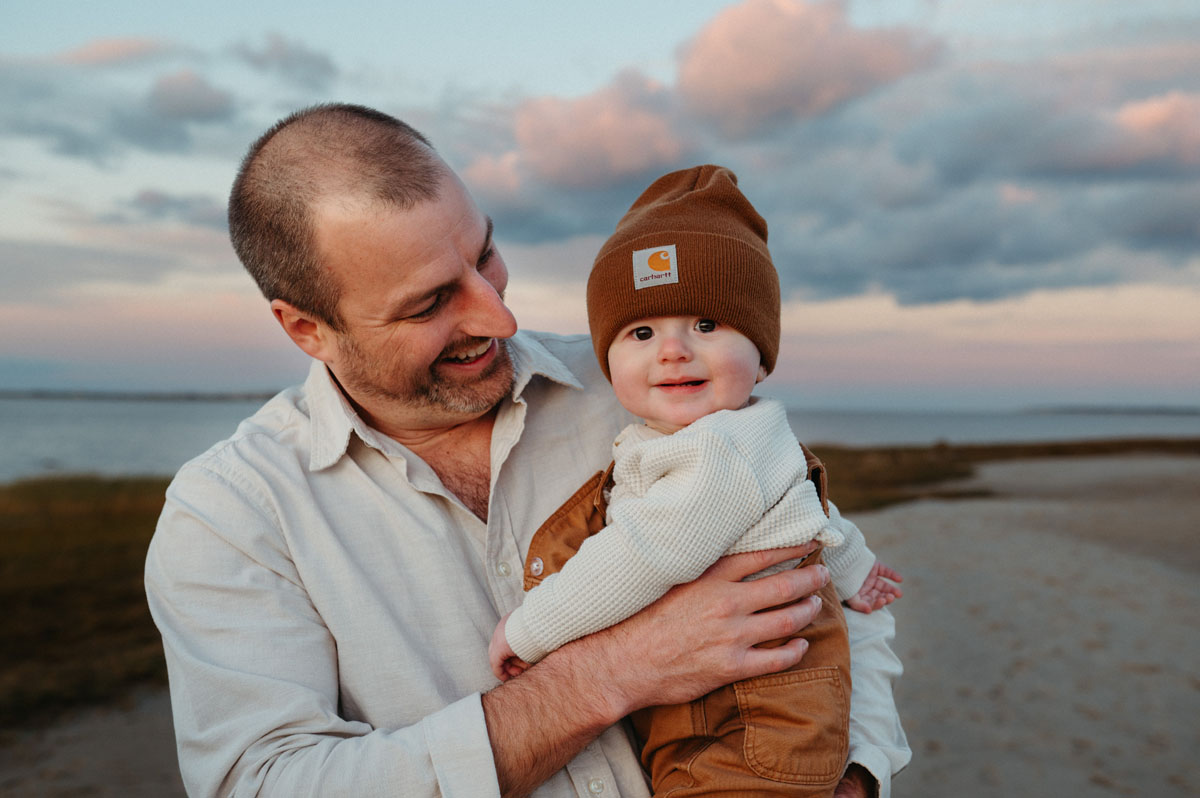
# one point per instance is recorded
(700, 495)
(850, 563)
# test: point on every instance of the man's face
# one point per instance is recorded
(672, 370)
(422, 305)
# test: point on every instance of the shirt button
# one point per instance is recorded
(596, 786)
(536, 566)
(503, 568)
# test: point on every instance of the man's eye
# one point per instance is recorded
(428, 310)
(706, 325)
(643, 333)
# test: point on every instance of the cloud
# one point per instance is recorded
(494, 176)
(187, 97)
(114, 52)
(89, 114)
(290, 60)
(1166, 127)
(46, 273)
(621, 131)
(763, 62)
(193, 209)
(164, 121)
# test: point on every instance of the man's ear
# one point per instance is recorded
(307, 332)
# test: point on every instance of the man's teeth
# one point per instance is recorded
(463, 357)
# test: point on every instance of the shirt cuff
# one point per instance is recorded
(461, 751)
(877, 764)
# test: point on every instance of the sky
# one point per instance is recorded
(981, 204)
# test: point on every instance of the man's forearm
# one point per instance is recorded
(531, 735)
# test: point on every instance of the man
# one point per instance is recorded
(326, 580)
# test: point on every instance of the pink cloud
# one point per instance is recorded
(494, 175)
(103, 52)
(765, 59)
(616, 132)
(1167, 126)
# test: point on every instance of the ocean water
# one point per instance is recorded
(40, 437)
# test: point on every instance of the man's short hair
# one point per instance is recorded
(320, 151)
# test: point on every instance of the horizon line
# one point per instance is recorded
(87, 394)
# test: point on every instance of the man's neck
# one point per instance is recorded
(461, 457)
(458, 451)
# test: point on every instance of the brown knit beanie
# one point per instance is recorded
(692, 245)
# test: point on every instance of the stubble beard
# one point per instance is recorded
(431, 389)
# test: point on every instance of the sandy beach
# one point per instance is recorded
(1048, 635)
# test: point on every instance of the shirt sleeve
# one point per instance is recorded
(700, 498)
(877, 738)
(254, 673)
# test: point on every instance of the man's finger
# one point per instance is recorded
(782, 588)
(781, 622)
(737, 567)
(761, 661)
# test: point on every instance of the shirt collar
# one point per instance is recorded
(334, 418)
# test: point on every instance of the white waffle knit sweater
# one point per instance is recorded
(733, 481)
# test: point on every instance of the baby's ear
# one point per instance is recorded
(762, 373)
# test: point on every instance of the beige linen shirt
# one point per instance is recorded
(326, 604)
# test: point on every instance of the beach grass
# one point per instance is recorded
(75, 625)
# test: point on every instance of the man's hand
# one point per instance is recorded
(857, 783)
(702, 635)
(876, 590)
(505, 663)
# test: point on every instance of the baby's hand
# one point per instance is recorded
(505, 663)
(876, 590)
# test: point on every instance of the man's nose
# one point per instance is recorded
(486, 315)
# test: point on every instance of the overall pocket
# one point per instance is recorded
(797, 725)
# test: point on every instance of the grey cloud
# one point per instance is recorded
(194, 209)
(63, 138)
(1150, 216)
(186, 96)
(39, 272)
(291, 60)
(149, 131)
(76, 113)
(44, 105)
(163, 121)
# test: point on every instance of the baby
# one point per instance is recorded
(683, 305)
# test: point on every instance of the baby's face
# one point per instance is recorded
(671, 370)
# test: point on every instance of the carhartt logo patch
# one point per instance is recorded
(655, 266)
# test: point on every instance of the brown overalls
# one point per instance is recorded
(784, 734)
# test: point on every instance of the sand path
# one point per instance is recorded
(1048, 635)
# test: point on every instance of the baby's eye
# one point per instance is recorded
(642, 333)
(706, 325)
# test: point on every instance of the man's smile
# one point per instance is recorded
(470, 355)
